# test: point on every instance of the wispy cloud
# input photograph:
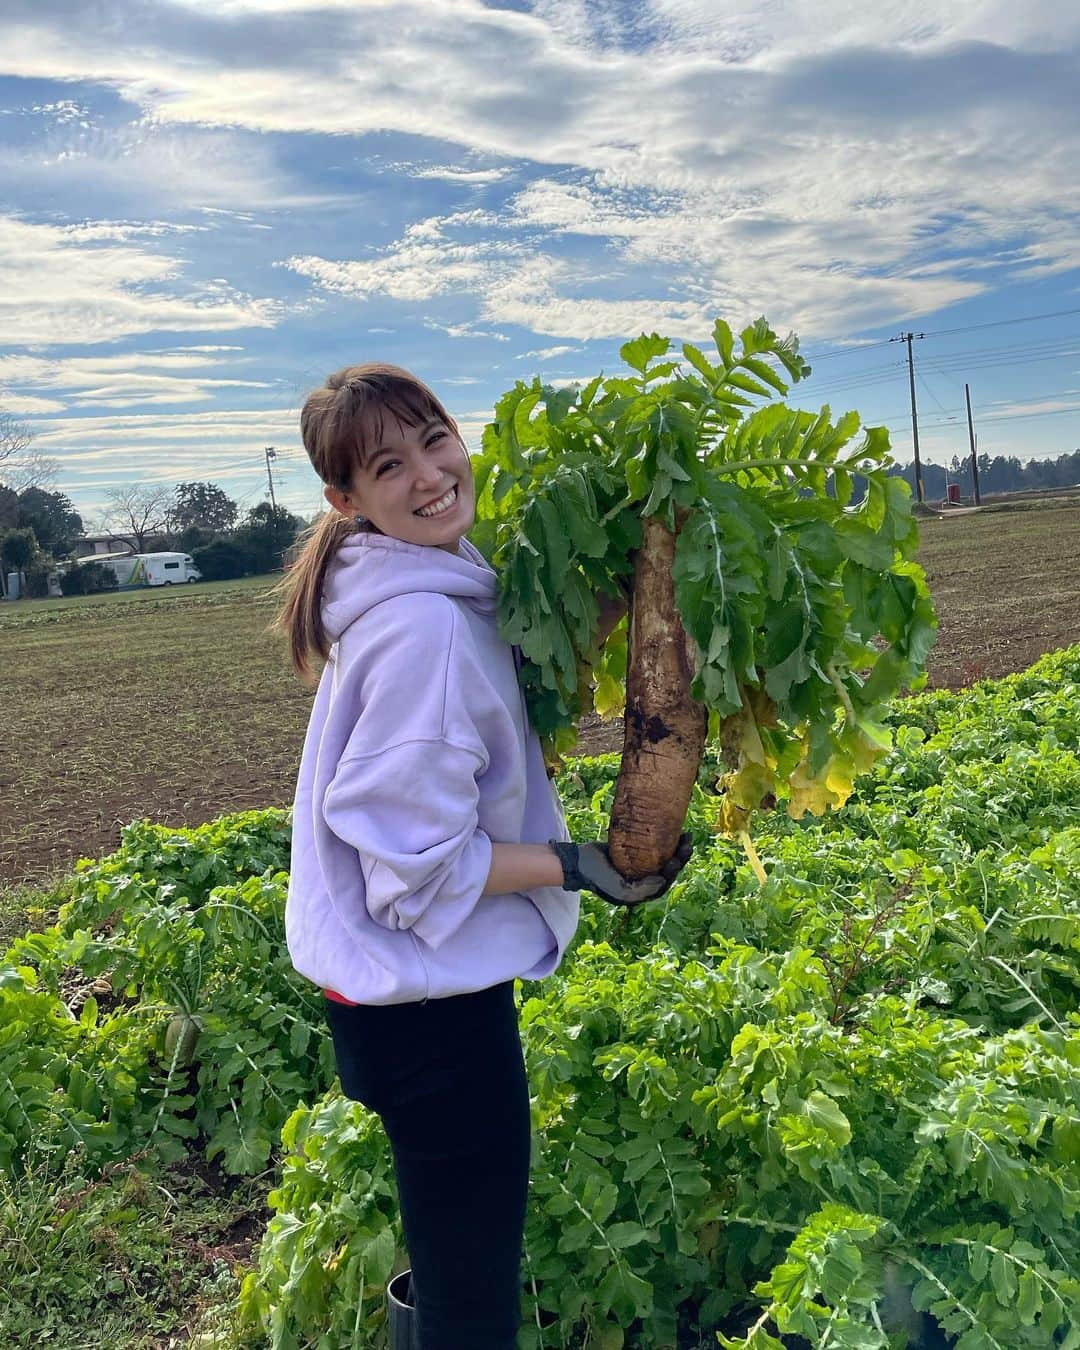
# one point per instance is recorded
(758, 147)
(63, 288)
(545, 353)
(467, 177)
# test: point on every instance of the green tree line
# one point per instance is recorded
(997, 473)
(39, 529)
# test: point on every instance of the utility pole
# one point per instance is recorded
(971, 442)
(907, 337)
(271, 453)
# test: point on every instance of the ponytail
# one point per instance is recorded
(300, 616)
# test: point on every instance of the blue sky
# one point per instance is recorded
(203, 214)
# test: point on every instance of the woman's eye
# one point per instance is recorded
(439, 436)
(386, 464)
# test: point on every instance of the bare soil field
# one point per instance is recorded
(181, 706)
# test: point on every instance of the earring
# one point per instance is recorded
(361, 520)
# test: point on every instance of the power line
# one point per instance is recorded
(1023, 417)
(1039, 344)
(1023, 354)
(849, 351)
(953, 367)
(897, 423)
(872, 376)
(1003, 323)
(933, 395)
(942, 332)
(953, 363)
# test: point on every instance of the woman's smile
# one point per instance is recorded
(440, 507)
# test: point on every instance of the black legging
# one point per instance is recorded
(447, 1078)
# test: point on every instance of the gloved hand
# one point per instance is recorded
(587, 867)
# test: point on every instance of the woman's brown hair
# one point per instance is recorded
(338, 421)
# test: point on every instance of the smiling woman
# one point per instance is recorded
(431, 863)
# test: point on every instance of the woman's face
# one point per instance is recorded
(416, 485)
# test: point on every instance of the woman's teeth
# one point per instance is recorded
(437, 508)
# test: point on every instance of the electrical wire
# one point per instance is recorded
(986, 418)
(962, 361)
(848, 351)
(934, 396)
(941, 332)
(1001, 323)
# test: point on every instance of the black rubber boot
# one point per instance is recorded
(401, 1313)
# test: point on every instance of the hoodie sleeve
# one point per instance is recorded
(405, 793)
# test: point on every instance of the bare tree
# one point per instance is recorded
(31, 470)
(15, 437)
(140, 511)
(21, 466)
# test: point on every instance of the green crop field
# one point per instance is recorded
(181, 706)
(838, 1109)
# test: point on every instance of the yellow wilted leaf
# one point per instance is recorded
(731, 818)
(748, 785)
(869, 742)
(609, 698)
(809, 794)
(751, 749)
(838, 779)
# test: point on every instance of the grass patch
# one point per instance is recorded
(141, 1257)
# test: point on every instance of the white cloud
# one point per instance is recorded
(117, 436)
(102, 231)
(147, 164)
(465, 330)
(423, 264)
(546, 353)
(467, 177)
(534, 297)
(60, 290)
(185, 375)
(749, 29)
(23, 404)
(1029, 407)
(743, 271)
(226, 447)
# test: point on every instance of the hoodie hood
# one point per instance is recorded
(370, 568)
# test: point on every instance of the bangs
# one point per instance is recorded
(405, 403)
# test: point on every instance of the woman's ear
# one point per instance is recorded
(339, 500)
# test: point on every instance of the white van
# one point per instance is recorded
(140, 569)
(165, 569)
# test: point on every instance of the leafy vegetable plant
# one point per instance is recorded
(765, 557)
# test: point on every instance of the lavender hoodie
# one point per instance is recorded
(418, 756)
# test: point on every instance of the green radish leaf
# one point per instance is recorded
(642, 350)
(698, 360)
(725, 343)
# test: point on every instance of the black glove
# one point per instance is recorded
(587, 867)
